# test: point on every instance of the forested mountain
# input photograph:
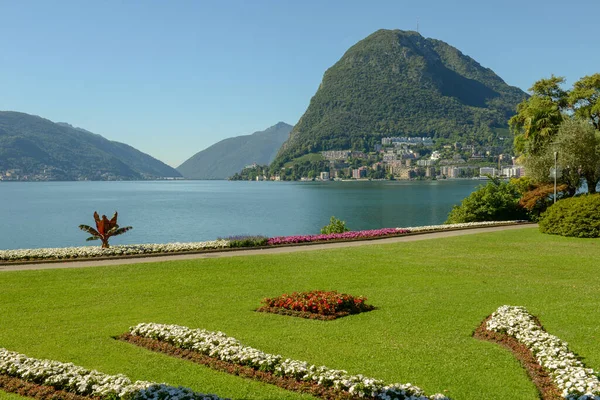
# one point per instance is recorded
(43, 150)
(223, 159)
(398, 83)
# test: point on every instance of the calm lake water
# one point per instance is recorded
(47, 214)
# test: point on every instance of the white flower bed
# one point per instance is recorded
(570, 375)
(429, 228)
(97, 251)
(223, 347)
(78, 380)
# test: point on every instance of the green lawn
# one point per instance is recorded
(431, 296)
(312, 157)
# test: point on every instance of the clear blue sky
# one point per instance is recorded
(173, 77)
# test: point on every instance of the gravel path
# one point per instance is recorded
(252, 252)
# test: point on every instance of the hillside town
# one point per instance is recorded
(396, 158)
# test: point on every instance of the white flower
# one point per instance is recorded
(431, 228)
(223, 347)
(570, 375)
(97, 251)
(71, 378)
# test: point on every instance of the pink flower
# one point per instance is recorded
(337, 236)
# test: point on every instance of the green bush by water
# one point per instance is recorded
(575, 216)
(247, 241)
(335, 226)
(496, 201)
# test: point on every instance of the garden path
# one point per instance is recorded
(262, 251)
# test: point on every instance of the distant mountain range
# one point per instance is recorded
(39, 149)
(225, 158)
(399, 83)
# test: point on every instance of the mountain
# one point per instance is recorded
(225, 158)
(44, 150)
(399, 83)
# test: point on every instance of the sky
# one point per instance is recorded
(174, 77)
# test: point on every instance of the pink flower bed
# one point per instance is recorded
(336, 236)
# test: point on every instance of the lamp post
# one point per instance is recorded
(555, 173)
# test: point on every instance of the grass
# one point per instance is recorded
(312, 157)
(430, 295)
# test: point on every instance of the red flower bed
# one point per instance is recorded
(316, 304)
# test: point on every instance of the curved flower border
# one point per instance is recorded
(84, 252)
(90, 383)
(222, 347)
(568, 373)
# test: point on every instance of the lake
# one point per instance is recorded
(47, 214)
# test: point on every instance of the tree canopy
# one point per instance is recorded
(496, 201)
(564, 121)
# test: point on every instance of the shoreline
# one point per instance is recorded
(219, 253)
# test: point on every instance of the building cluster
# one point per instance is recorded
(402, 158)
(10, 175)
(398, 157)
(407, 141)
(43, 174)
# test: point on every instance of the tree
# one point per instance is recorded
(105, 229)
(538, 117)
(538, 169)
(578, 146)
(567, 122)
(496, 201)
(585, 99)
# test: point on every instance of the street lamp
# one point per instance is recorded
(555, 173)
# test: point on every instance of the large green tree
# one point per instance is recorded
(578, 147)
(539, 116)
(563, 121)
(585, 99)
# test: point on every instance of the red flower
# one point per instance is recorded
(320, 302)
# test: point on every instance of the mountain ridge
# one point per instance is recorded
(228, 156)
(45, 150)
(399, 83)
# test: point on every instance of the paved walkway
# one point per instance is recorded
(253, 252)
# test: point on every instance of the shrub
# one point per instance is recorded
(335, 226)
(247, 240)
(538, 198)
(496, 201)
(575, 216)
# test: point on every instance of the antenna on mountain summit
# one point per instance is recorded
(417, 26)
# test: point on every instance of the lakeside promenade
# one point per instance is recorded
(261, 251)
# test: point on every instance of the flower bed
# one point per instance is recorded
(66, 377)
(568, 373)
(337, 236)
(384, 232)
(61, 253)
(84, 252)
(466, 225)
(316, 305)
(221, 347)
